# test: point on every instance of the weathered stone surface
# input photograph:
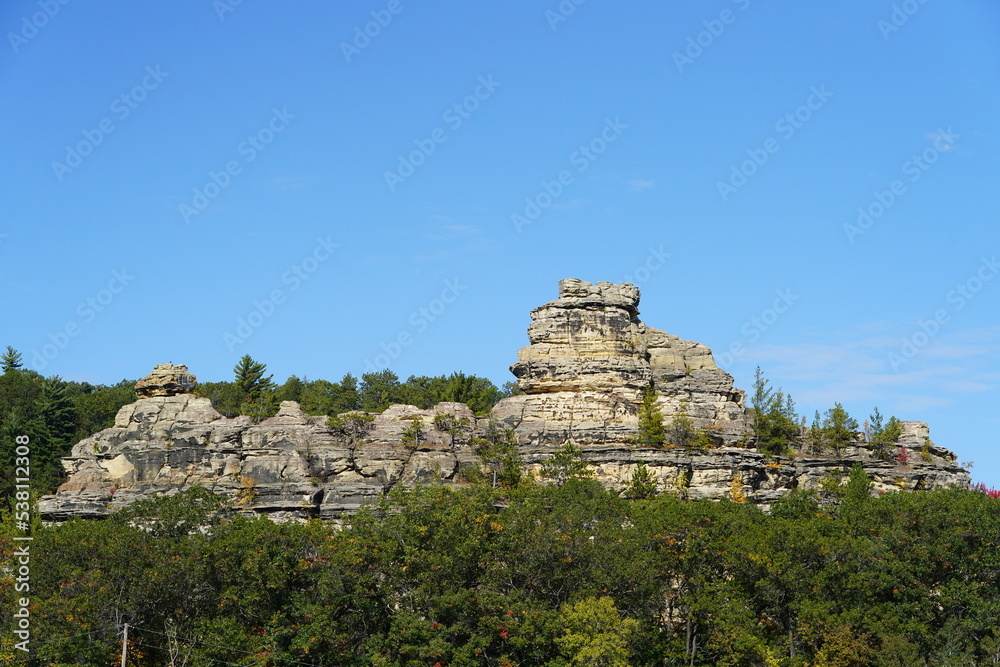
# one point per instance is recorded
(166, 380)
(584, 373)
(291, 465)
(590, 360)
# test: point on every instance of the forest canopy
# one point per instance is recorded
(557, 574)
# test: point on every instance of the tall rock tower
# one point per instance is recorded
(590, 361)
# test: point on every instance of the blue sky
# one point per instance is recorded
(171, 170)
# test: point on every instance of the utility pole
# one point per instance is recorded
(125, 645)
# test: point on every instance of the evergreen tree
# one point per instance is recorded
(96, 410)
(641, 485)
(478, 393)
(651, 430)
(346, 397)
(51, 432)
(256, 389)
(250, 378)
(355, 425)
(760, 402)
(816, 434)
(857, 495)
(292, 390)
(11, 360)
(773, 416)
(567, 463)
(884, 437)
(413, 434)
(682, 432)
(838, 428)
(500, 455)
(379, 390)
(456, 427)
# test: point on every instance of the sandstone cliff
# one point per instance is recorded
(589, 360)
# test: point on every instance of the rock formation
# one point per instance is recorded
(166, 380)
(589, 362)
(583, 375)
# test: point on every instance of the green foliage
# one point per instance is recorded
(815, 439)
(528, 575)
(857, 495)
(11, 360)
(96, 407)
(925, 450)
(594, 635)
(838, 428)
(257, 391)
(641, 485)
(883, 437)
(498, 451)
(380, 390)
(775, 422)
(830, 485)
(55, 414)
(651, 431)
(565, 464)
(510, 388)
(250, 379)
(413, 434)
(355, 425)
(456, 427)
(682, 431)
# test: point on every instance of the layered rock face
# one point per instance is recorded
(290, 465)
(166, 380)
(589, 361)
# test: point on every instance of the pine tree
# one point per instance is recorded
(838, 428)
(760, 402)
(682, 432)
(257, 391)
(884, 437)
(651, 431)
(642, 485)
(11, 360)
(773, 416)
(250, 378)
(51, 431)
(816, 434)
(500, 455)
(413, 434)
(346, 397)
(858, 492)
(380, 390)
(567, 463)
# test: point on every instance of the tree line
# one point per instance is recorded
(253, 392)
(559, 574)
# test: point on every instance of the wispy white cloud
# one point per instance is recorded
(639, 185)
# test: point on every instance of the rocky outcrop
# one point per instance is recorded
(166, 380)
(290, 465)
(589, 361)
